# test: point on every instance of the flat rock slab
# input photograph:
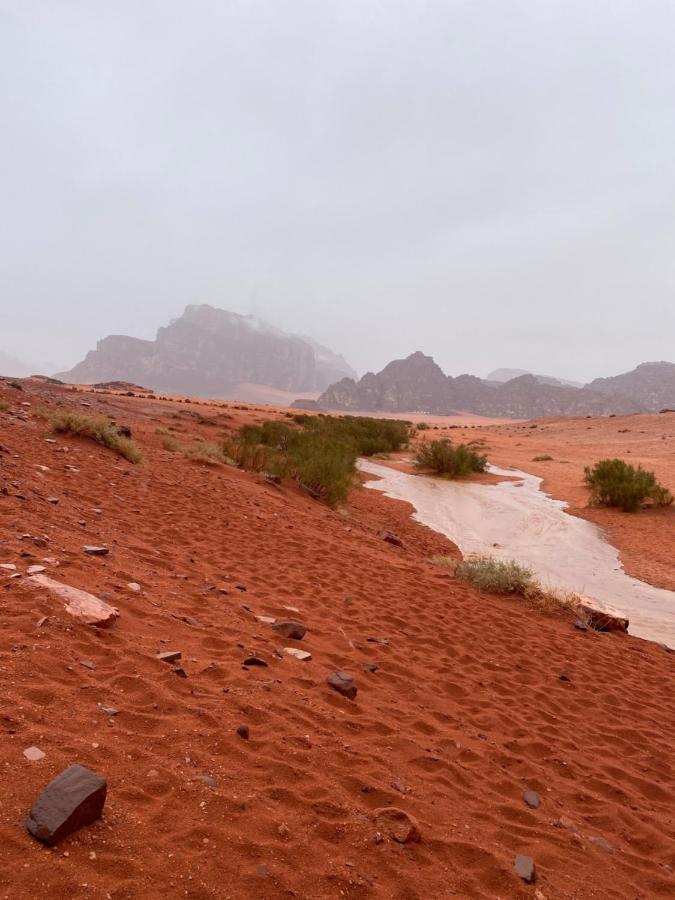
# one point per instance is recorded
(398, 824)
(34, 754)
(532, 799)
(96, 551)
(390, 538)
(169, 656)
(343, 683)
(298, 654)
(290, 629)
(82, 606)
(70, 801)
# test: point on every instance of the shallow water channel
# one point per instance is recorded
(517, 520)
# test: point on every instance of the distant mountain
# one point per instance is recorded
(504, 375)
(210, 351)
(10, 365)
(418, 384)
(651, 383)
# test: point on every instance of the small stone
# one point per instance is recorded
(298, 654)
(8, 567)
(243, 732)
(82, 606)
(209, 781)
(35, 570)
(70, 801)
(580, 626)
(370, 667)
(41, 621)
(601, 842)
(524, 866)
(169, 656)
(532, 799)
(108, 710)
(390, 538)
(343, 683)
(134, 586)
(254, 661)
(34, 754)
(289, 629)
(180, 671)
(398, 824)
(96, 551)
(52, 500)
(87, 664)
(564, 678)
(266, 620)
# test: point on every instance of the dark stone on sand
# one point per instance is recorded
(244, 732)
(343, 683)
(169, 656)
(96, 551)
(532, 799)
(390, 538)
(290, 629)
(564, 678)
(70, 801)
(254, 661)
(370, 667)
(524, 866)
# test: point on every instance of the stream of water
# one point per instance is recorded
(517, 520)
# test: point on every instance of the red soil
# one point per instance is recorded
(465, 712)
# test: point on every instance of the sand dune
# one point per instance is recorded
(466, 710)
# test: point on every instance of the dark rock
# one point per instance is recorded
(209, 781)
(524, 866)
(169, 656)
(289, 629)
(599, 620)
(532, 799)
(564, 678)
(390, 538)
(580, 626)
(180, 671)
(70, 801)
(370, 667)
(271, 479)
(254, 661)
(243, 732)
(86, 664)
(343, 683)
(374, 640)
(96, 551)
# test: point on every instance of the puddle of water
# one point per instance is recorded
(517, 520)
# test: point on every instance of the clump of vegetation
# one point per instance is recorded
(320, 454)
(448, 460)
(170, 443)
(500, 577)
(446, 562)
(544, 458)
(16, 385)
(423, 426)
(205, 452)
(614, 482)
(4, 406)
(102, 431)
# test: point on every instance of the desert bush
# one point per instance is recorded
(320, 454)
(500, 577)
(448, 460)
(423, 426)
(544, 458)
(614, 482)
(102, 431)
(205, 452)
(170, 443)
(4, 406)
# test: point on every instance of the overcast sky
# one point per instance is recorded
(490, 182)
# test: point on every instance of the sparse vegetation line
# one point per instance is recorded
(100, 430)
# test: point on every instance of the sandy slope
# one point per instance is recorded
(466, 710)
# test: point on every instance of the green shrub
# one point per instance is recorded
(102, 431)
(321, 454)
(614, 482)
(544, 458)
(205, 452)
(423, 426)
(450, 461)
(489, 574)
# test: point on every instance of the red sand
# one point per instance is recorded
(465, 712)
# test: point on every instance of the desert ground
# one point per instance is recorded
(465, 700)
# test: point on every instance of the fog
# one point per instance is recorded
(489, 182)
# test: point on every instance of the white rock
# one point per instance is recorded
(268, 620)
(292, 609)
(298, 654)
(82, 606)
(35, 570)
(8, 567)
(34, 754)
(134, 586)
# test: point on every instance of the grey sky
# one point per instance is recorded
(491, 182)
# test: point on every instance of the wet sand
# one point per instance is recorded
(515, 519)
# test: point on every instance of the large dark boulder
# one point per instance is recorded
(70, 801)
